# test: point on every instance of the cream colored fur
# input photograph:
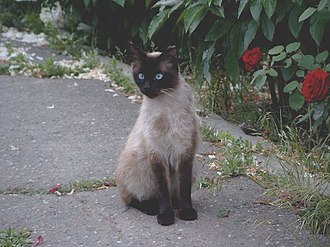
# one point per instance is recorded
(168, 127)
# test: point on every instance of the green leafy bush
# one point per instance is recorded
(289, 68)
(227, 28)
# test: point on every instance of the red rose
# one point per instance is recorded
(316, 85)
(252, 58)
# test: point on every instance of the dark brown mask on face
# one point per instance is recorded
(153, 72)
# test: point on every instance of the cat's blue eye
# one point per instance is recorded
(141, 76)
(158, 76)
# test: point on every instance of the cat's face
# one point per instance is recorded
(154, 72)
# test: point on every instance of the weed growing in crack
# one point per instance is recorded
(303, 183)
(76, 186)
(307, 195)
(210, 134)
(12, 237)
(88, 185)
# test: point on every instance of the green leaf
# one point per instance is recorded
(297, 57)
(259, 72)
(268, 28)
(327, 67)
(279, 57)
(318, 111)
(157, 22)
(300, 73)
(303, 118)
(272, 72)
(163, 3)
(276, 50)
(283, 7)
(292, 47)
(218, 11)
(207, 55)
(287, 62)
(290, 86)
(242, 4)
(197, 20)
(147, 3)
(306, 14)
(307, 62)
(321, 57)
(299, 87)
(294, 25)
(86, 3)
(317, 28)
(218, 2)
(322, 4)
(250, 33)
(269, 7)
(235, 40)
(296, 101)
(120, 2)
(191, 15)
(232, 66)
(219, 29)
(288, 73)
(255, 9)
(260, 81)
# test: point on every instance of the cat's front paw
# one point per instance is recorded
(166, 218)
(187, 214)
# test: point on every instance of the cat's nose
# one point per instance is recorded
(146, 85)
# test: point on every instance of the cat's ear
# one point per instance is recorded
(136, 53)
(170, 55)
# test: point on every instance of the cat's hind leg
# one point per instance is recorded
(149, 207)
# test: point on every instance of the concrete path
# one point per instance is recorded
(60, 131)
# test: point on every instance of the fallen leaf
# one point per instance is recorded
(39, 241)
(55, 189)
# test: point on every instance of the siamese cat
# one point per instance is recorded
(156, 170)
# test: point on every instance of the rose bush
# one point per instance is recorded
(252, 58)
(316, 85)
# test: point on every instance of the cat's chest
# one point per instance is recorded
(171, 129)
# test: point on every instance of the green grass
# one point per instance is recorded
(234, 156)
(120, 79)
(210, 134)
(50, 68)
(301, 185)
(76, 186)
(71, 44)
(15, 238)
(88, 185)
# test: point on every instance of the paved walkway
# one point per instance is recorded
(60, 130)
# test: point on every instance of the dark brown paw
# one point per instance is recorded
(166, 218)
(187, 214)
